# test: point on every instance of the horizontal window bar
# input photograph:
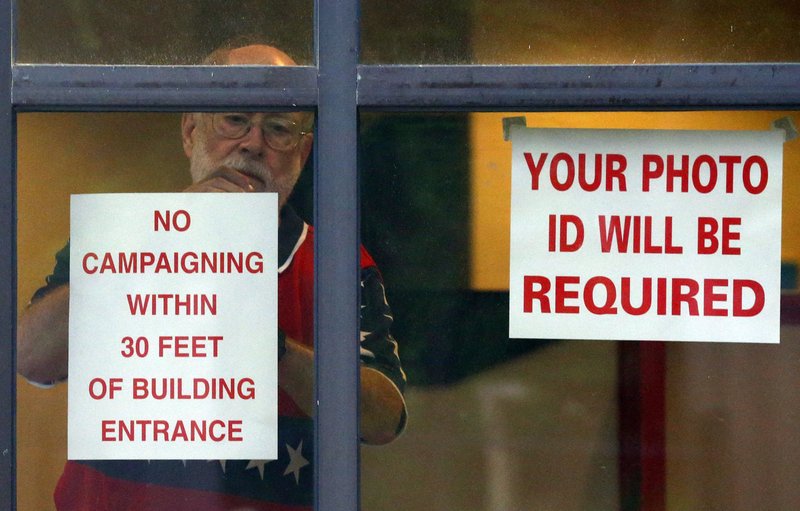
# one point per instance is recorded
(584, 87)
(37, 87)
(419, 87)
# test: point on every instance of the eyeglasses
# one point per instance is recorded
(279, 133)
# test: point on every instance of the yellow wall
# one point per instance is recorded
(491, 174)
(60, 154)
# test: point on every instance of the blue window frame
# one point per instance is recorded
(337, 86)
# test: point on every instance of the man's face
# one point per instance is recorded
(249, 154)
(209, 151)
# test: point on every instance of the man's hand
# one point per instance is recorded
(227, 179)
(381, 404)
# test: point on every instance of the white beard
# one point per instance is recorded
(201, 166)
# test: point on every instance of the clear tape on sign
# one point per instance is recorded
(787, 125)
(512, 121)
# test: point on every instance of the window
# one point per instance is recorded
(162, 33)
(528, 423)
(569, 32)
(337, 86)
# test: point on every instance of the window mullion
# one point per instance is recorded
(162, 87)
(337, 258)
(8, 272)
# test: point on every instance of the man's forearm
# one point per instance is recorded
(381, 407)
(296, 375)
(381, 404)
(42, 338)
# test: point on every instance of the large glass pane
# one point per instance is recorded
(535, 424)
(78, 153)
(578, 32)
(162, 32)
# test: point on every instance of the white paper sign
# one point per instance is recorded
(646, 235)
(173, 326)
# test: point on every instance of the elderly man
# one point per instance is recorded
(239, 153)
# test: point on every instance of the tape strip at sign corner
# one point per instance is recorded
(508, 122)
(786, 124)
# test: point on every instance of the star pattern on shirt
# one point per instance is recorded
(258, 464)
(222, 463)
(296, 461)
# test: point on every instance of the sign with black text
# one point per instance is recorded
(646, 235)
(173, 326)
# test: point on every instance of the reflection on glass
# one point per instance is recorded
(167, 33)
(530, 424)
(66, 153)
(578, 32)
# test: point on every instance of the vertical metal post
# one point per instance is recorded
(642, 426)
(8, 270)
(336, 279)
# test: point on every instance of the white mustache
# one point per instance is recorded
(250, 167)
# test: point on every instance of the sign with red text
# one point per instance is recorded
(645, 235)
(173, 326)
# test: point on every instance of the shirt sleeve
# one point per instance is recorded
(379, 349)
(59, 277)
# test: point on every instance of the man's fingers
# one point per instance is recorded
(227, 179)
(215, 184)
(237, 177)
